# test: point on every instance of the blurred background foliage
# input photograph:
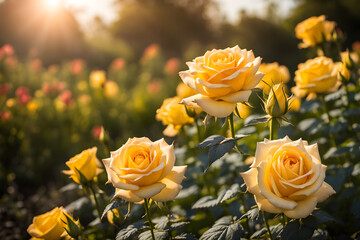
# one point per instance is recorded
(142, 51)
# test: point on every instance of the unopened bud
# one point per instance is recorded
(277, 103)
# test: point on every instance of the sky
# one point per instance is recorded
(86, 10)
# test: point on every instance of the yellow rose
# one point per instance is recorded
(111, 89)
(221, 78)
(174, 115)
(274, 73)
(287, 176)
(32, 106)
(85, 162)
(113, 216)
(50, 225)
(349, 58)
(318, 75)
(145, 169)
(243, 110)
(343, 71)
(277, 103)
(97, 78)
(313, 30)
(183, 91)
(294, 104)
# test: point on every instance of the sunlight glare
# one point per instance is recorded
(52, 3)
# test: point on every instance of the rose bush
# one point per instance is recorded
(221, 78)
(145, 169)
(318, 75)
(314, 30)
(287, 176)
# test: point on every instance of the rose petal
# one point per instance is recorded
(324, 192)
(115, 180)
(127, 195)
(250, 179)
(170, 131)
(190, 101)
(241, 96)
(265, 205)
(150, 190)
(211, 85)
(170, 160)
(303, 209)
(267, 193)
(216, 108)
(173, 186)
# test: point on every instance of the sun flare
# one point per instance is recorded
(52, 3)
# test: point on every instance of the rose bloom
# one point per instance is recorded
(145, 169)
(318, 75)
(221, 78)
(50, 225)
(111, 89)
(66, 97)
(274, 73)
(97, 78)
(313, 30)
(4, 88)
(118, 64)
(87, 163)
(172, 66)
(287, 176)
(173, 114)
(77, 66)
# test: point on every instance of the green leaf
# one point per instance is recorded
(210, 201)
(296, 231)
(224, 229)
(218, 151)
(158, 235)
(355, 208)
(259, 233)
(324, 217)
(178, 225)
(309, 106)
(130, 230)
(251, 214)
(259, 120)
(210, 141)
(185, 236)
(112, 205)
(161, 222)
(339, 127)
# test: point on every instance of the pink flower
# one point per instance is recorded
(5, 115)
(77, 66)
(6, 50)
(4, 88)
(96, 131)
(117, 64)
(66, 97)
(151, 50)
(172, 66)
(36, 64)
(154, 86)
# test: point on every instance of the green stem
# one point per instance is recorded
(285, 219)
(325, 109)
(267, 225)
(198, 130)
(273, 125)
(146, 204)
(95, 199)
(232, 129)
(245, 210)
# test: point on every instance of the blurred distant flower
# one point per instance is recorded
(151, 51)
(11, 102)
(350, 59)
(294, 104)
(356, 46)
(85, 163)
(154, 86)
(97, 78)
(66, 97)
(84, 99)
(96, 131)
(318, 75)
(118, 64)
(4, 116)
(36, 64)
(222, 79)
(82, 85)
(10, 61)
(274, 73)
(33, 52)
(49, 226)
(53, 87)
(23, 95)
(32, 106)
(111, 89)
(344, 73)
(4, 88)
(172, 66)
(77, 66)
(173, 114)
(6, 50)
(314, 30)
(145, 169)
(52, 69)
